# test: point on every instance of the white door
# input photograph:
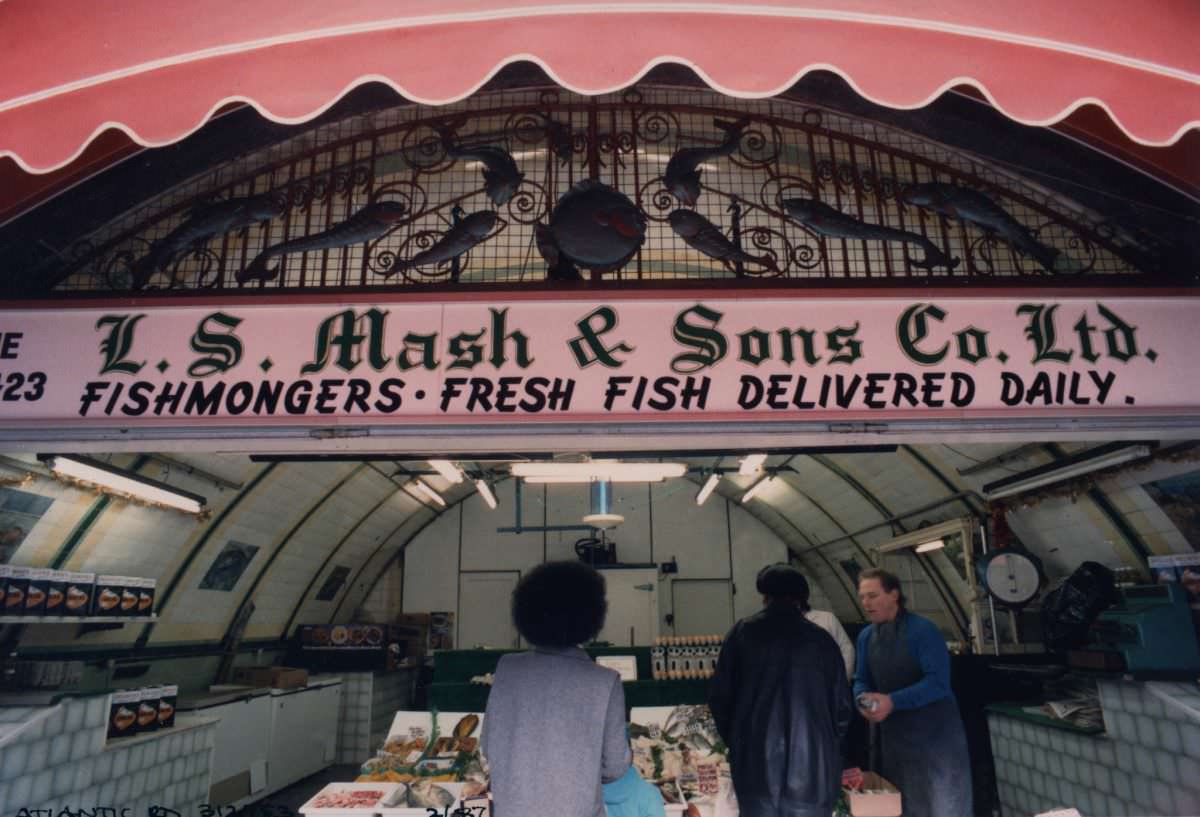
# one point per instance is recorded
(484, 602)
(632, 607)
(702, 606)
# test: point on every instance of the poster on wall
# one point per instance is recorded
(1179, 498)
(1183, 569)
(229, 566)
(19, 512)
(333, 583)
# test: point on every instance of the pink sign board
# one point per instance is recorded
(682, 359)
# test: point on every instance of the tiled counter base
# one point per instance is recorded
(1148, 763)
(369, 701)
(56, 757)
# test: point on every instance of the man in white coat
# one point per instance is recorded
(823, 619)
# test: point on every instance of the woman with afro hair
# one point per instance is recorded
(554, 729)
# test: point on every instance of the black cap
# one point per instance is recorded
(782, 580)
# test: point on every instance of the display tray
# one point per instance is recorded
(403, 808)
(352, 799)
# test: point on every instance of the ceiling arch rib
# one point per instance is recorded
(170, 587)
(949, 601)
(972, 503)
(88, 520)
(430, 517)
(287, 539)
(333, 552)
(771, 516)
(396, 512)
(1129, 536)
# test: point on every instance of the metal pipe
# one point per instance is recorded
(991, 601)
(895, 518)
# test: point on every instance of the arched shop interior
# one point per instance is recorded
(371, 367)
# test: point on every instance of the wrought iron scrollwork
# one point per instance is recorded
(626, 142)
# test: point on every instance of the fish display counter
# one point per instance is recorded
(429, 760)
(432, 760)
(461, 680)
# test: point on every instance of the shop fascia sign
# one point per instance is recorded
(707, 358)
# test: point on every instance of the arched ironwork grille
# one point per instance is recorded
(323, 176)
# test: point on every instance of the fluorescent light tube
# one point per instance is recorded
(486, 493)
(447, 469)
(614, 470)
(935, 544)
(424, 488)
(1049, 475)
(751, 464)
(707, 489)
(126, 482)
(753, 490)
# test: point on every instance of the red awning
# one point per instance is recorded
(157, 70)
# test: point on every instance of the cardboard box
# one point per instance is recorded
(147, 710)
(878, 798)
(106, 598)
(80, 588)
(274, 677)
(122, 713)
(18, 583)
(288, 677)
(56, 593)
(35, 593)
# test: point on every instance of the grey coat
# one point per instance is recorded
(554, 731)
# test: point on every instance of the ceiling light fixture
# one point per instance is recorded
(486, 493)
(754, 489)
(1076, 466)
(932, 545)
(612, 470)
(423, 488)
(122, 481)
(751, 464)
(447, 469)
(708, 487)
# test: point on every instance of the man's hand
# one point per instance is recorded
(883, 707)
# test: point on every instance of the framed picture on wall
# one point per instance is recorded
(229, 566)
(333, 583)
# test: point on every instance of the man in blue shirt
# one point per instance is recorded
(902, 683)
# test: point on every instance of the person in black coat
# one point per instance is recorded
(782, 704)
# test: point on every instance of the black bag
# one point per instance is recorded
(1071, 607)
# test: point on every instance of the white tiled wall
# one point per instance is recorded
(369, 702)
(1148, 763)
(59, 759)
(391, 692)
(354, 719)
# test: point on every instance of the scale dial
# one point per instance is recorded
(1013, 577)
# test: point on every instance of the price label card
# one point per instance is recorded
(625, 665)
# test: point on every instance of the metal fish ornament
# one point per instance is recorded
(559, 137)
(975, 207)
(824, 220)
(203, 223)
(367, 224)
(457, 240)
(682, 177)
(500, 176)
(597, 227)
(558, 266)
(701, 234)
